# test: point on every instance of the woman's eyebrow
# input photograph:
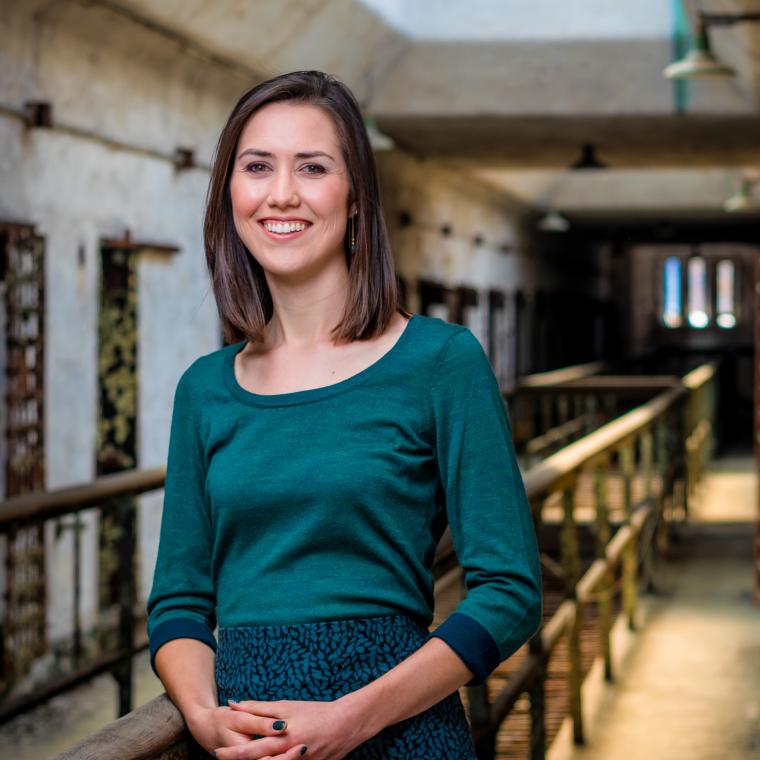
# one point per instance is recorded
(302, 154)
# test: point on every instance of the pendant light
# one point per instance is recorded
(588, 159)
(742, 200)
(553, 221)
(699, 62)
(378, 140)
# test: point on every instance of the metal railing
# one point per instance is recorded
(79, 657)
(659, 447)
(655, 453)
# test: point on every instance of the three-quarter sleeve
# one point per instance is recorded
(182, 601)
(488, 511)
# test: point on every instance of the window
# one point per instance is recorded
(671, 314)
(699, 297)
(725, 307)
(697, 274)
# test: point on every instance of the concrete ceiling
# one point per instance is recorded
(485, 90)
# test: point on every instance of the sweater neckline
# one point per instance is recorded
(310, 394)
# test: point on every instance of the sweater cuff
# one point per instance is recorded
(178, 628)
(472, 642)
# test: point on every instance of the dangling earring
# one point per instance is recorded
(352, 243)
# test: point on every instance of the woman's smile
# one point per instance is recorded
(284, 229)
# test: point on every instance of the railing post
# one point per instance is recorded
(571, 566)
(664, 494)
(122, 671)
(563, 408)
(537, 696)
(480, 715)
(683, 454)
(647, 470)
(537, 689)
(606, 588)
(546, 411)
(630, 552)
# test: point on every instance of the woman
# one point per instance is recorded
(315, 461)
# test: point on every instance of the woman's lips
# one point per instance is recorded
(283, 235)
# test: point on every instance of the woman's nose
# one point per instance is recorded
(282, 191)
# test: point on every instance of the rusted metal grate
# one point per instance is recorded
(22, 252)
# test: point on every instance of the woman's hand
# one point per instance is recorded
(323, 728)
(222, 727)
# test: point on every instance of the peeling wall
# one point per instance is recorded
(105, 74)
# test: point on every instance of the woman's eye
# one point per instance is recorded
(253, 167)
(314, 169)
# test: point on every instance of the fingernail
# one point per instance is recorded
(303, 750)
(234, 701)
(215, 754)
(278, 725)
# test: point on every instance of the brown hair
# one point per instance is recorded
(240, 288)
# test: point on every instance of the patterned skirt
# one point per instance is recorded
(325, 660)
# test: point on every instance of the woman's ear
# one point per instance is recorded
(353, 209)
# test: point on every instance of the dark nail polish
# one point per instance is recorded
(303, 750)
(278, 725)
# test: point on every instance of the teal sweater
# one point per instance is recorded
(329, 503)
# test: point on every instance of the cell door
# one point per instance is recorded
(116, 442)
(22, 262)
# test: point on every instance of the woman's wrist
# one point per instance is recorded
(195, 714)
(358, 713)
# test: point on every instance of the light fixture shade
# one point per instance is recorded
(588, 159)
(699, 62)
(742, 200)
(377, 139)
(553, 221)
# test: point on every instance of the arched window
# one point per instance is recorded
(697, 292)
(672, 313)
(726, 289)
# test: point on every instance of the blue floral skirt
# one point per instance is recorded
(325, 660)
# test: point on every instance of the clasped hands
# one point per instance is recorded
(326, 730)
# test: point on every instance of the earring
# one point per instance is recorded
(352, 244)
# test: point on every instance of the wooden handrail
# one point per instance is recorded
(63, 501)
(145, 733)
(556, 377)
(547, 475)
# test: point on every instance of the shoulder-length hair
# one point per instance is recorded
(240, 287)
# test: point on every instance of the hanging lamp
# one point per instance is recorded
(699, 62)
(588, 159)
(742, 200)
(378, 140)
(553, 221)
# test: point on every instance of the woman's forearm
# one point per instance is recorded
(186, 668)
(420, 681)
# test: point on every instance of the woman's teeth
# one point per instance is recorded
(284, 227)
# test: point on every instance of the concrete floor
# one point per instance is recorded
(688, 682)
(64, 720)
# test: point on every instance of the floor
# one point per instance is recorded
(688, 682)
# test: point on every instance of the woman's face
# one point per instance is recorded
(289, 188)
